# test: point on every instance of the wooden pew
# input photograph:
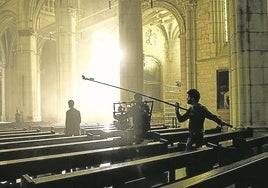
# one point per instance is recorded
(35, 137)
(105, 133)
(55, 128)
(33, 166)
(166, 130)
(211, 135)
(35, 133)
(158, 126)
(247, 172)
(144, 167)
(97, 126)
(241, 148)
(230, 135)
(14, 129)
(92, 131)
(257, 142)
(111, 133)
(180, 136)
(45, 141)
(17, 132)
(155, 133)
(118, 174)
(17, 153)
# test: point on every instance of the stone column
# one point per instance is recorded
(66, 53)
(130, 36)
(190, 19)
(26, 75)
(183, 70)
(248, 62)
(3, 92)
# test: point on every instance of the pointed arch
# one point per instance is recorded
(174, 10)
(33, 8)
(7, 18)
(8, 33)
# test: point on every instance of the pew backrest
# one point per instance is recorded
(230, 135)
(17, 132)
(122, 172)
(251, 169)
(31, 137)
(35, 133)
(180, 136)
(17, 153)
(46, 141)
(56, 163)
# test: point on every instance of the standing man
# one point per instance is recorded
(73, 120)
(196, 115)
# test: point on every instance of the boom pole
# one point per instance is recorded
(156, 99)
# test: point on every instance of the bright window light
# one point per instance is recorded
(104, 68)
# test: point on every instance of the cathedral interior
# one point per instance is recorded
(100, 54)
(160, 48)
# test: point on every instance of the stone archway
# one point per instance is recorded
(162, 28)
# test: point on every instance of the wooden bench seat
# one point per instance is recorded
(166, 130)
(155, 133)
(35, 133)
(180, 136)
(31, 137)
(106, 133)
(45, 141)
(14, 169)
(14, 129)
(177, 140)
(17, 153)
(257, 142)
(96, 129)
(97, 126)
(118, 174)
(241, 148)
(230, 135)
(158, 126)
(17, 132)
(247, 172)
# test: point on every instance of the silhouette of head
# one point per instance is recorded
(71, 103)
(193, 96)
(137, 98)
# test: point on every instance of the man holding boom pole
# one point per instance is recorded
(196, 115)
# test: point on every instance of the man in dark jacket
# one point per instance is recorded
(73, 120)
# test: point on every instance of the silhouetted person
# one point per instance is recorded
(73, 120)
(140, 113)
(196, 115)
(17, 116)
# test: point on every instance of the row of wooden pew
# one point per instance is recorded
(100, 161)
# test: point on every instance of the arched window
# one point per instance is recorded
(152, 80)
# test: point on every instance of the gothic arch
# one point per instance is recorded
(33, 8)
(7, 18)
(7, 33)
(173, 9)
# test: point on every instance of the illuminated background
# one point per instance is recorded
(96, 100)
